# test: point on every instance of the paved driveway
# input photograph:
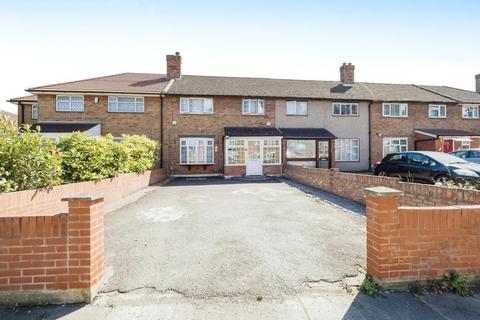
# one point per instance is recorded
(217, 238)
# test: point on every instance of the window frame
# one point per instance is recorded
(350, 151)
(345, 115)
(135, 102)
(466, 106)
(394, 138)
(250, 113)
(389, 104)
(296, 108)
(263, 145)
(190, 108)
(438, 106)
(34, 111)
(206, 140)
(462, 144)
(70, 96)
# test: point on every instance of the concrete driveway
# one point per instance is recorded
(214, 238)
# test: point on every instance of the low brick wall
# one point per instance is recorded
(351, 186)
(47, 201)
(53, 259)
(407, 244)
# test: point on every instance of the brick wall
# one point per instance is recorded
(350, 185)
(147, 123)
(53, 259)
(406, 244)
(383, 127)
(227, 113)
(47, 201)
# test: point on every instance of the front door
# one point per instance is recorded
(447, 146)
(254, 158)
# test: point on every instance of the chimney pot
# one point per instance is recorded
(347, 73)
(174, 65)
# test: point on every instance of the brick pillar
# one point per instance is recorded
(382, 224)
(85, 243)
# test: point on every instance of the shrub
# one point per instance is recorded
(91, 158)
(142, 153)
(370, 287)
(27, 160)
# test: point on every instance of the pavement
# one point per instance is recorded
(241, 249)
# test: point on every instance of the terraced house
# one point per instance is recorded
(254, 126)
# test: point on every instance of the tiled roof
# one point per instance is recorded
(446, 132)
(251, 131)
(30, 98)
(454, 93)
(145, 83)
(63, 127)
(304, 89)
(306, 133)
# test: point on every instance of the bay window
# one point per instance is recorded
(196, 105)
(347, 150)
(196, 151)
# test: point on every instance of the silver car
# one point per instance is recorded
(470, 155)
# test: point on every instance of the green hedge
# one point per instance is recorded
(29, 160)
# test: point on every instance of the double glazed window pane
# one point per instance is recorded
(126, 104)
(196, 105)
(297, 107)
(196, 151)
(253, 106)
(300, 149)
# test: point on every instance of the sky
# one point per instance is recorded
(421, 42)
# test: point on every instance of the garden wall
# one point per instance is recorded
(409, 244)
(47, 201)
(351, 185)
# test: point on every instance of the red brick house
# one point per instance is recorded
(237, 126)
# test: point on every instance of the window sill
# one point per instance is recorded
(70, 111)
(197, 114)
(297, 115)
(253, 114)
(196, 164)
(346, 116)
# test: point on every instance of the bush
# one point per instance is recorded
(90, 158)
(141, 153)
(27, 160)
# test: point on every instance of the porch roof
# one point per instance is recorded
(251, 131)
(435, 133)
(312, 133)
(63, 127)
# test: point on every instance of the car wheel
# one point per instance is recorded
(441, 179)
(382, 174)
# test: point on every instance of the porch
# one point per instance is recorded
(445, 140)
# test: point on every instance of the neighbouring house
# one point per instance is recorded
(11, 115)
(254, 126)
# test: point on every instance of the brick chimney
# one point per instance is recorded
(477, 82)
(174, 65)
(347, 73)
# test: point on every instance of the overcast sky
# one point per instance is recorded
(422, 42)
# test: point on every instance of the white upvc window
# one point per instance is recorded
(271, 151)
(69, 104)
(465, 144)
(395, 110)
(253, 106)
(344, 109)
(298, 108)
(437, 111)
(196, 105)
(126, 104)
(196, 151)
(34, 112)
(347, 149)
(470, 111)
(392, 145)
(235, 151)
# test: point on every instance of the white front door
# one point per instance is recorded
(254, 158)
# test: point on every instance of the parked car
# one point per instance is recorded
(471, 155)
(426, 166)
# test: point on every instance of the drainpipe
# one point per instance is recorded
(22, 110)
(369, 136)
(161, 130)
